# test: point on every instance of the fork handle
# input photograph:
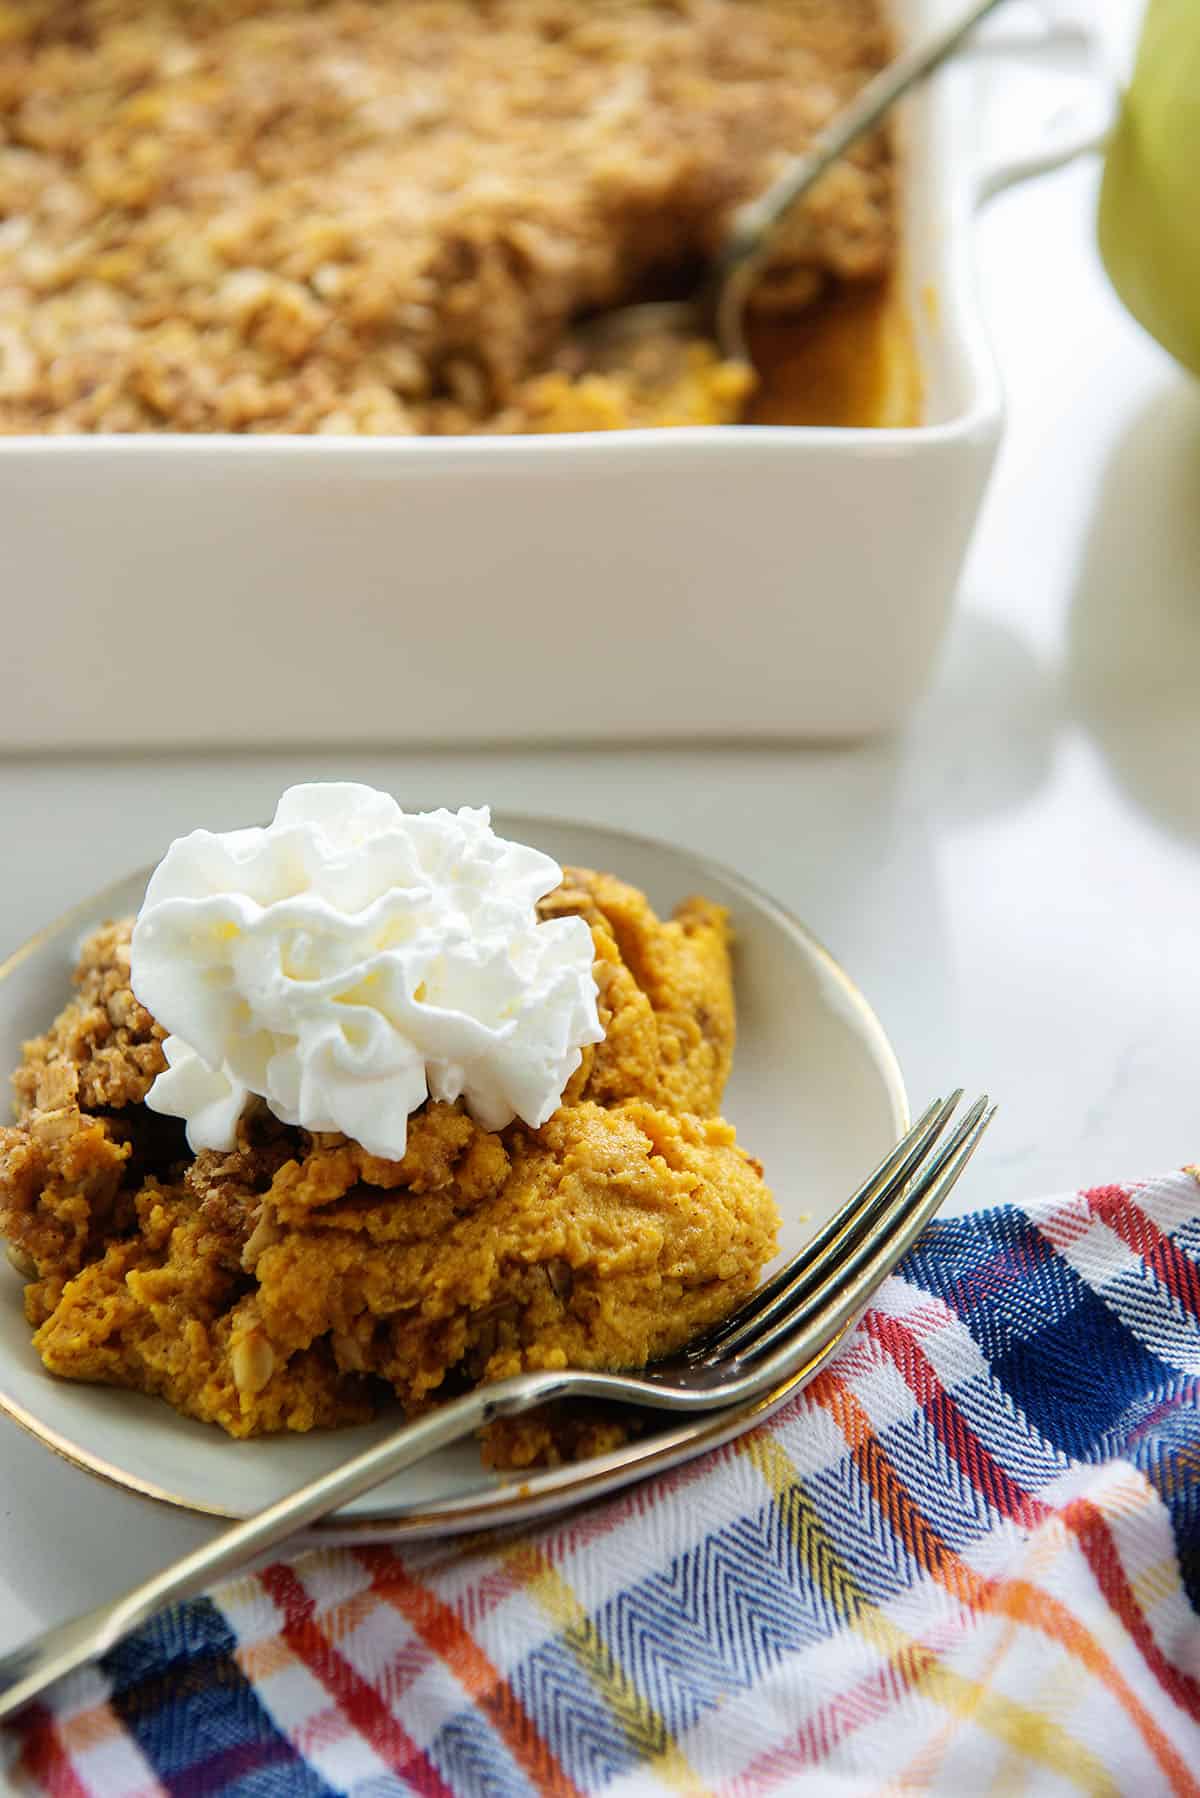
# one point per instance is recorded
(29, 1669)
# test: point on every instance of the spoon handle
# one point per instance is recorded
(755, 223)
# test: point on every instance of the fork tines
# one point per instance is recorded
(860, 1244)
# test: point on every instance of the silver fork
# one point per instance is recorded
(778, 1338)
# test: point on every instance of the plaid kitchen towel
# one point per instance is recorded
(965, 1560)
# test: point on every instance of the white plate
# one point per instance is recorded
(816, 1094)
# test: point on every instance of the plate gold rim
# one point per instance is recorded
(507, 1502)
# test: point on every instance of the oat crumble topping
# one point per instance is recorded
(377, 216)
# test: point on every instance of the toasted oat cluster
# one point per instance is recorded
(298, 1281)
(378, 216)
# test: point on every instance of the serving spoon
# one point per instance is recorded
(717, 308)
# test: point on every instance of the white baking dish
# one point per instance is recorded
(760, 581)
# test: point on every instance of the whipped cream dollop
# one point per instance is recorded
(353, 959)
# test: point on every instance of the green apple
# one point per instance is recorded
(1150, 196)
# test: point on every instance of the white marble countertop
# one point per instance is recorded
(1014, 880)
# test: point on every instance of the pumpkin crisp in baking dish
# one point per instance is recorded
(380, 216)
(295, 1280)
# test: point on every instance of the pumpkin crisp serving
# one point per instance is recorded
(295, 1280)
